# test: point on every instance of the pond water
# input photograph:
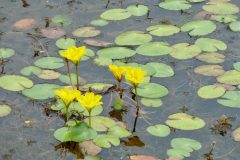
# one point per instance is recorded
(27, 132)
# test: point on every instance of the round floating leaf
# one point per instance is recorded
(175, 5)
(89, 157)
(151, 102)
(143, 157)
(184, 121)
(211, 92)
(116, 52)
(41, 91)
(236, 135)
(235, 26)
(118, 131)
(65, 79)
(132, 38)
(163, 30)
(225, 18)
(221, 8)
(62, 134)
(49, 74)
(53, 33)
(100, 87)
(178, 153)
(184, 51)
(15, 83)
(97, 43)
(4, 110)
(95, 111)
(62, 20)
(154, 49)
(49, 63)
(102, 61)
(24, 24)
(211, 57)
(159, 130)
(115, 14)
(199, 27)
(209, 70)
(90, 53)
(99, 22)
(210, 45)
(86, 32)
(6, 53)
(27, 71)
(100, 123)
(105, 140)
(161, 69)
(230, 99)
(195, 1)
(65, 43)
(231, 77)
(237, 66)
(186, 144)
(151, 90)
(137, 10)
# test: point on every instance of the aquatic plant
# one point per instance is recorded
(74, 55)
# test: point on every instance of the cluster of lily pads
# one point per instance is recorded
(105, 131)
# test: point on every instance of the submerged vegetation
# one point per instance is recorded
(138, 78)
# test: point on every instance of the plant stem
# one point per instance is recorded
(137, 109)
(119, 88)
(76, 67)
(90, 119)
(69, 73)
(67, 114)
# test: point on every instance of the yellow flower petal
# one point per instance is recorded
(118, 71)
(89, 100)
(74, 54)
(135, 75)
(67, 95)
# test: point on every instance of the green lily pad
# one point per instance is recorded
(175, 5)
(89, 53)
(199, 27)
(116, 52)
(49, 63)
(15, 82)
(41, 91)
(99, 22)
(118, 131)
(163, 30)
(221, 8)
(184, 121)
(27, 71)
(64, 43)
(132, 38)
(154, 49)
(178, 153)
(184, 51)
(231, 77)
(225, 18)
(115, 14)
(151, 102)
(105, 140)
(237, 66)
(230, 99)
(187, 144)
(85, 32)
(78, 133)
(209, 70)
(137, 10)
(211, 91)
(100, 87)
(6, 52)
(151, 90)
(102, 61)
(49, 74)
(161, 69)
(235, 26)
(210, 45)
(62, 20)
(4, 110)
(100, 123)
(211, 57)
(159, 130)
(65, 79)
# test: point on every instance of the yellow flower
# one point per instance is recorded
(118, 71)
(67, 95)
(89, 100)
(135, 75)
(74, 54)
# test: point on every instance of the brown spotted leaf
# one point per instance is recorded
(143, 157)
(24, 24)
(53, 33)
(89, 148)
(97, 43)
